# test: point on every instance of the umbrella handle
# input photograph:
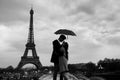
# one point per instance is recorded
(67, 36)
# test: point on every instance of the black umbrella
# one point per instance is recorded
(65, 32)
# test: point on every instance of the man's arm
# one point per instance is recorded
(56, 46)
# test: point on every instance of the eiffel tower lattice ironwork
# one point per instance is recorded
(34, 59)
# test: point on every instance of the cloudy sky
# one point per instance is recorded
(96, 23)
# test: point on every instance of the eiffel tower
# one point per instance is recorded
(34, 59)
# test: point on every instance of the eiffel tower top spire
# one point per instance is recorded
(31, 31)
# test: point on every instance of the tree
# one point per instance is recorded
(109, 64)
(91, 68)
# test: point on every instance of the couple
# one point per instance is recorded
(60, 57)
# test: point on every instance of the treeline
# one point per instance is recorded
(108, 65)
(102, 66)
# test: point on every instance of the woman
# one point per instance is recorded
(63, 62)
(63, 59)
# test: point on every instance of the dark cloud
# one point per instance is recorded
(18, 45)
(87, 7)
(114, 41)
(111, 17)
(83, 8)
(12, 10)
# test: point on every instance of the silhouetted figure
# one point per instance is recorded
(57, 44)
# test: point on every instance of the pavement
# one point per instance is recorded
(69, 76)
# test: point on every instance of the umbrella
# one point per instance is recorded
(65, 32)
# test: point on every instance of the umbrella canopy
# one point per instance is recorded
(65, 32)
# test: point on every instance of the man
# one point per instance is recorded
(57, 44)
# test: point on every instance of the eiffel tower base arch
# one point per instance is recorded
(30, 60)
